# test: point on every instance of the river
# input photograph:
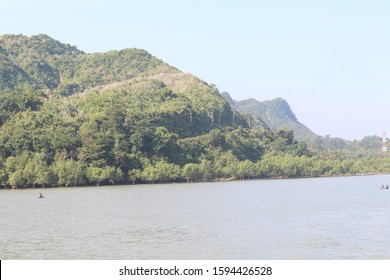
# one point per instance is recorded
(320, 218)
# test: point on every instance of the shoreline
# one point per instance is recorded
(222, 180)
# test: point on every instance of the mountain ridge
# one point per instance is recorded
(273, 114)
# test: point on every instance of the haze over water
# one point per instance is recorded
(322, 218)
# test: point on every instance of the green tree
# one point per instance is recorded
(3, 174)
(192, 171)
(16, 179)
(149, 174)
(164, 143)
(69, 171)
(246, 169)
(207, 169)
(114, 174)
(97, 174)
(225, 164)
(29, 173)
(134, 175)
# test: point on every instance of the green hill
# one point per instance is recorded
(77, 116)
(72, 118)
(272, 114)
(131, 76)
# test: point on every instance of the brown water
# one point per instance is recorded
(324, 218)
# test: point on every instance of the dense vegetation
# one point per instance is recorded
(271, 114)
(70, 118)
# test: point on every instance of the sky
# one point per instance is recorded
(329, 59)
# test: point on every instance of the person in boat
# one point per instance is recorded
(387, 187)
(41, 196)
(382, 187)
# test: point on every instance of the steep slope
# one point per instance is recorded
(228, 98)
(272, 114)
(276, 114)
(43, 60)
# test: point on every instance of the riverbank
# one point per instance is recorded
(216, 180)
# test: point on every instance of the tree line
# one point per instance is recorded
(33, 170)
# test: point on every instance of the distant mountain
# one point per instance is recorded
(273, 114)
(228, 98)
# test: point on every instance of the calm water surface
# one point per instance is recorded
(323, 218)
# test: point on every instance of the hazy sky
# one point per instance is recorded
(329, 59)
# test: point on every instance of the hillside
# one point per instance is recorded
(71, 118)
(276, 114)
(40, 65)
(272, 114)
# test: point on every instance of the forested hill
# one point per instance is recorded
(42, 69)
(72, 118)
(273, 114)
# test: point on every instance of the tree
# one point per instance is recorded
(97, 174)
(29, 173)
(18, 162)
(166, 171)
(225, 164)
(164, 143)
(134, 175)
(114, 174)
(160, 171)
(207, 169)
(69, 172)
(149, 174)
(192, 171)
(3, 174)
(246, 169)
(268, 167)
(14, 169)
(16, 179)
(44, 174)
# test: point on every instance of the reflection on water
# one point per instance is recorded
(326, 218)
